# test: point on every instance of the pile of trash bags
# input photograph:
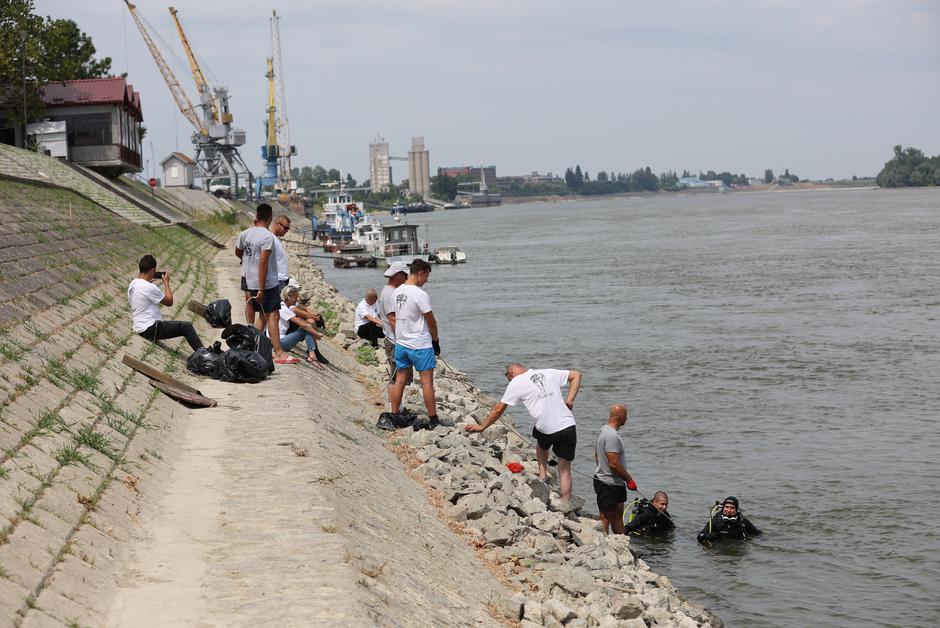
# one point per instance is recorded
(219, 313)
(249, 358)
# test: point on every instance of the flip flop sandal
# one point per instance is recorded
(287, 360)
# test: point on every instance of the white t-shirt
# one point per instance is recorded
(281, 255)
(539, 390)
(144, 299)
(363, 310)
(252, 242)
(411, 330)
(386, 305)
(286, 314)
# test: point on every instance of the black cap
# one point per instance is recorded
(731, 500)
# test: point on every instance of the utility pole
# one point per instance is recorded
(23, 36)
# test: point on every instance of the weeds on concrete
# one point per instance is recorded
(365, 355)
(329, 528)
(69, 454)
(83, 380)
(11, 350)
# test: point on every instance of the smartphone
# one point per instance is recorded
(158, 274)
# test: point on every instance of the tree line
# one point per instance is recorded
(36, 51)
(909, 168)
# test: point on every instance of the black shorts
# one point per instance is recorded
(271, 302)
(563, 442)
(609, 496)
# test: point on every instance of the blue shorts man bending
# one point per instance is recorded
(416, 341)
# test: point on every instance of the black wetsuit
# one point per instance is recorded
(723, 528)
(648, 521)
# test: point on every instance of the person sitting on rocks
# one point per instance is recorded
(727, 524)
(302, 330)
(540, 391)
(145, 300)
(368, 324)
(650, 518)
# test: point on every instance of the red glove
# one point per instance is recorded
(631, 485)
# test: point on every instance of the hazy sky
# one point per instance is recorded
(824, 88)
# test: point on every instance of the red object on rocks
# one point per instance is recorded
(515, 467)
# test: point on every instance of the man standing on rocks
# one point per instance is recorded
(397, 273)
(255, 248)
(611, 478)
(416, 341)
(540, 391)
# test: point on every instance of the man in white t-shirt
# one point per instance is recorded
(279, 228)
(145, 300)
(539, 390)
(368, 324)
(416, 342)
(396, 273)
(255, 248)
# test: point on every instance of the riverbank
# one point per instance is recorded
(554, 565)
(796, 187)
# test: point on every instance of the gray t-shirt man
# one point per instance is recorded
(609, 441)
(252, 241)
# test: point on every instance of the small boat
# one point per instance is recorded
(449, 255)
(401, 245)
(351, 247)
(451, 206)
(357, 261)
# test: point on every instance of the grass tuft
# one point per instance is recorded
(69, 454)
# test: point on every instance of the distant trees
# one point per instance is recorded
(909, 167)
(35, 51)
(768, 176)
(444, 187)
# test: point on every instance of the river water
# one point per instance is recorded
(779, 347)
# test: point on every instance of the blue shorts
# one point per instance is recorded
(421, 359)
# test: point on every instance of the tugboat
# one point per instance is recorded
(401, 244)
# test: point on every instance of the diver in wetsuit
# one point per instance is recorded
(650, 518)
(727, 524)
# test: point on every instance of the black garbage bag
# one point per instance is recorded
(250, 339)
(206, 361)
(405, 418)
(242, 366)
(219, 313)
(386, 422)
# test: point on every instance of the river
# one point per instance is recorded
(780, 347)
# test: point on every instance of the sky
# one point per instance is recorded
(824, 88)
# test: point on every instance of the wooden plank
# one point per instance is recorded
(197, 308)
(160, 376)
(179, 394)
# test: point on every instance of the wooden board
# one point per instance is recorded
(184, 396)
(160, 376)
(197, 308)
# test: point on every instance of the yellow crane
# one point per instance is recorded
(210, 105)
(182, 100)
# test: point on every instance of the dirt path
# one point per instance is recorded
(242, 534)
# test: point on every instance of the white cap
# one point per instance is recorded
(395, 268)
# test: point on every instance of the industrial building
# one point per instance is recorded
(419, 168)
(470, 171)
(380, 169)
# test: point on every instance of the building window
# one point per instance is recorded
(88, 129)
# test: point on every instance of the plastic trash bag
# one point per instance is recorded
(219, 313)
(242, 366)
(250, 339)
(206, 361)
(386, 423)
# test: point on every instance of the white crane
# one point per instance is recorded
(285, 150)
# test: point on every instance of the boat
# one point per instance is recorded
(412, 208)
(340, 215)
(354, 261)
(449, 255)
(368, 234)
(451, 206)
(401, 244)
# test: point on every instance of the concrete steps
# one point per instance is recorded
(27, 165)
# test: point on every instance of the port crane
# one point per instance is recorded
(215, 141)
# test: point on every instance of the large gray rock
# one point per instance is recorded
(559, 610)
(477, 505)
(547, 521)
(629, 608)
(533, 611)
(540, 490)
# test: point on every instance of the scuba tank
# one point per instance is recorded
(631, 510)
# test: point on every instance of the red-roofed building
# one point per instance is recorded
(103, 119)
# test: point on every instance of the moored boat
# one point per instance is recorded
(449, 255)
